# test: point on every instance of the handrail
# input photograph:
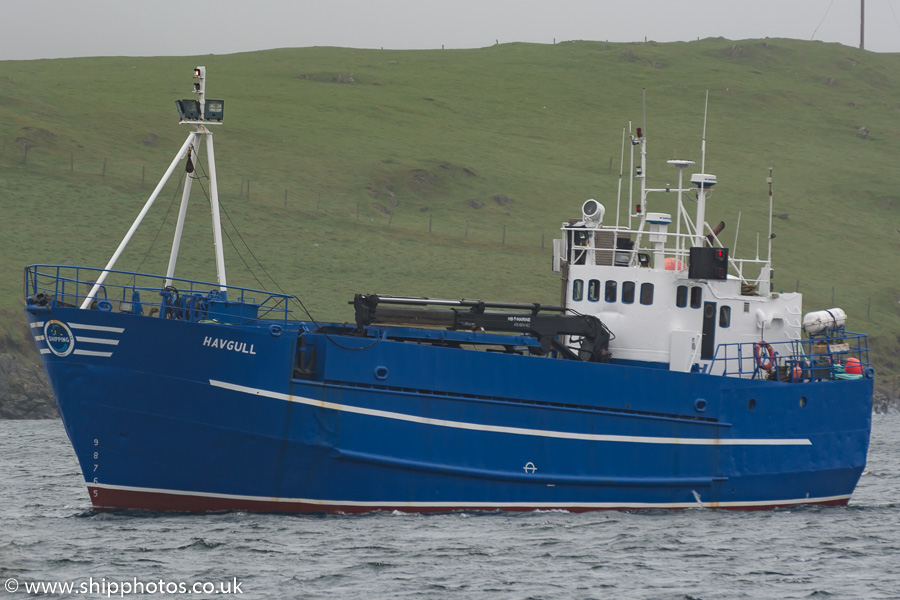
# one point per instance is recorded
(838, 355)
(142, 293)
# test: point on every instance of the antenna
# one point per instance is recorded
(621, 168)
(771, 206)
(643, 141)
(703, 141)
(703, 181)
(630, 178)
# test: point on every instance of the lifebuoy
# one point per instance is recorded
(764, 356)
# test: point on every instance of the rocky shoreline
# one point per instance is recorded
(25, 392)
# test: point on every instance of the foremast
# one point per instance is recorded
(199, 113)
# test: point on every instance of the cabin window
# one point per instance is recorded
(647, 293)
(611, 291)
(681, 295)
(725, 316)
(628, 292)
(577, 290)
(593, 290)
(696, 297)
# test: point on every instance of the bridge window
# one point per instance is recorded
(593, 290)
(725, 316)
(681, 295)
(696, 297)
(577, 290)
(628, 292)
(611, 291)
(647, 293)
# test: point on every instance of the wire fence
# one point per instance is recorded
(406, 216)
(300, 201)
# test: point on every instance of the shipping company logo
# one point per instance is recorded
(59, 338)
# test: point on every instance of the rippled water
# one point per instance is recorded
(49, 533)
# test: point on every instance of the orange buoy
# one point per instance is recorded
(853, 366)
(673, 264)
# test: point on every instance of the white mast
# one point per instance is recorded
(703, 181)
(182, 211)
(192, 112)
(619, 193)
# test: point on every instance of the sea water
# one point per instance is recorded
(50, 536)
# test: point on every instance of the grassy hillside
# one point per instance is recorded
(351, 156)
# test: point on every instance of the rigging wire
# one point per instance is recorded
(166, 218)
(891, 6)
(828, 10)
(246, 245)
(231, 241)
(261, 285)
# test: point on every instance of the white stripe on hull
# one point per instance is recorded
(591, 437)
(96, 327)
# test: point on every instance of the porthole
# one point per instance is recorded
(577, 290)
(681, 296)
(802, 401)
(611, 292)
(647, 294)
(752, 404)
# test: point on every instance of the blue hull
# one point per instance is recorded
(169, 414)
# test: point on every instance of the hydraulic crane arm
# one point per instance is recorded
(545, 323)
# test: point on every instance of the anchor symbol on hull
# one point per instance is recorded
(530, 468)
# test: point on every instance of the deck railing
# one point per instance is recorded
(149, 295)
(836, 354)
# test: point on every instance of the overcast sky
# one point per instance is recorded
(65, 28)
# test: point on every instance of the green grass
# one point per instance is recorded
(421, 132)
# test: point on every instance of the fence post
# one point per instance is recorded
(143, 173)
(357, 210)
(390, 218)
(318, 199)
(72, 163)
(503, 239)
(429, 223)
(467, 229)
(103, 174)
(542, 239)
(25, 156)
(285, 198)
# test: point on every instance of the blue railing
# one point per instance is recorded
(149, 295)
(835, 354)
